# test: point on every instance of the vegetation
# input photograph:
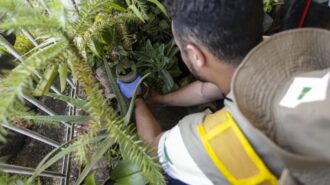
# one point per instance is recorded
(69, 40)
(268, 5)
(6, 180)
(160, 60)
(73, 40)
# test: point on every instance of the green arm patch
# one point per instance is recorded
(304, 92)
(167, 158)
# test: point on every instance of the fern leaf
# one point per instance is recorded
(137, 12)
(137, 151)
(46, 81)
(160, 6)
(7, 179)
(57, 118)
(63, 73)
(18, 14)
(73, 101)
(13, 86)
(101, 150)
(60, 152)
(114, 6)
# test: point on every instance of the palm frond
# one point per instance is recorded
(73, 34)
(16, 14)
(13, 86)
(97, 155)
(87, 14)
(136, 150)
(70, 147)
(10, 179)
(139, 8)
(57, 118)
(79, 103)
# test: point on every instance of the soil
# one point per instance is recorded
(28, 152)
(34, 151)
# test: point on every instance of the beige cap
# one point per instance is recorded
(282, 87)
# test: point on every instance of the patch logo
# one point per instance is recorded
(306, 90)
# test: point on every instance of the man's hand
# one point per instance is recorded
(127, 89)
(155, 97)
(147, 125)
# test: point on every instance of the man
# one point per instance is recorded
(213, 36)
(289, 104)
(202, 92)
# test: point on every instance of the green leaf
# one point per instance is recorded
(127, 173)
(63, 72)
(73, 72)
(168, 80)
(115, 88)
(160, 6)
(20, 78)
(171, 49)
(59, 153)
(136, 12)
(73, 101)
(164, 24)
(115, 6)
(161, 49)
(136, 150)
(90, 180)
(124, 168)
(134, 179)
(101, 150)
(58, 118)
(95, 48)
(130, 109)
(46, 81)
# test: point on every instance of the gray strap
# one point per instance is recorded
(196, 149)
(271, 159)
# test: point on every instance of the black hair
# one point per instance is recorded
(229, 29)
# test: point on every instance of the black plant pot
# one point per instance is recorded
(126, 71)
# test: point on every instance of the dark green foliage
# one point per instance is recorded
(6, 179)
(66, 40)
(159, 60)
(268, 5)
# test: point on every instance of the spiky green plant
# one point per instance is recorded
(160, 60)
(64, 37)
(6, 179)
(268, 5)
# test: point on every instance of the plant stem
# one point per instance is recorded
(120, 98)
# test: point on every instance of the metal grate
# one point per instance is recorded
(69, 129)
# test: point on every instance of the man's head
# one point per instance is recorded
(215, 34)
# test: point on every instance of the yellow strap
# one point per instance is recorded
(263, 177)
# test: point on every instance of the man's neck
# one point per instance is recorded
(223, 78)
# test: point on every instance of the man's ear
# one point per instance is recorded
(195, 55)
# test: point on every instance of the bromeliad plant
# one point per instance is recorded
(64, 36)
(159, 60)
